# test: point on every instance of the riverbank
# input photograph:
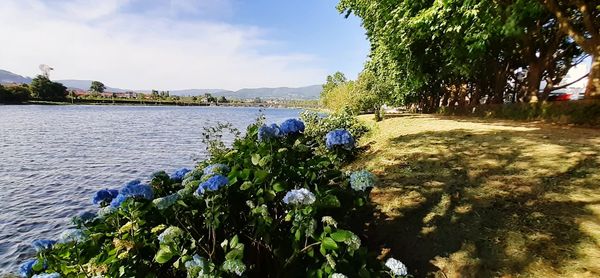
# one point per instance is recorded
(132, 102)
(469, 197)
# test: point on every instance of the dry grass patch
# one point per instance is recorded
(472, 198)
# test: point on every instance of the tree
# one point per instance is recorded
(97, 87)
(44, 89)
(580, 20)
(14, 94)
(210, 98)
(333, 81)
(222, 99)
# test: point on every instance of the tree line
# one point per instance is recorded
(41, 88)
(463, 53)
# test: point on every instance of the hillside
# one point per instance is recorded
(305, 93)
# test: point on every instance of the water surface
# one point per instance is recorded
(53, 158)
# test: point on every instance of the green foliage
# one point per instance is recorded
(317, 126)
(14, 94)
(44, 89)
(463, 53)
(242, 229)
(97, 87)
(584, 112)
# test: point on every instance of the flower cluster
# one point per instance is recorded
(339, 137)
(179, 174)
(133, 189)
(216, 169)
(26, 268)
(104, 196)
(170, 235)
(267, 132)
(46, 275)
(167, 201)
(361, 180)
(292, 126)
(42, 244)
(396, 267)
(299, 197)
(212, 184)
(71, 235)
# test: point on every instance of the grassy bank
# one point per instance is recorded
(462, 197)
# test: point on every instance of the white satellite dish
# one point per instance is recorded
(45, 70)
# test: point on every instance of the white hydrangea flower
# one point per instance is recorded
(170, 234)
(299, 197)
(165, 202)
(71, 235)
(338, 275)
(328, 220)
(353, 242)
(361, 180)
(396, 267)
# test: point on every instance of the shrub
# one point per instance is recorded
(580, 112)
(318, 126)
(273, 207)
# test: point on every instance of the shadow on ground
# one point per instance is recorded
(474, 201)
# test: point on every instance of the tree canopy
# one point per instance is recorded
(466, 52)
(44, 89)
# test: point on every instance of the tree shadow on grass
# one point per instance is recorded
(478, 204)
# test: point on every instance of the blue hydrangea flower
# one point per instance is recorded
(268, 132)
(396, 267)
(26, 268)
(299, 197)
(212, 184)
(179, 174)
(292, 126)
(216, 169)
(133, 189)
(104, 196)
(361, 180)
(46, 275)
(42, 244)
(339, 137)
(165, 202)
(71, 235)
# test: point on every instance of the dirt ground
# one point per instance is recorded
(463, 197)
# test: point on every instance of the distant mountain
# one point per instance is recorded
(307, 92)
(9, 77)
(199, 92)
(85, 85)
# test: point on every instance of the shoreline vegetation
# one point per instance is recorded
(306, 104)
(471, 197)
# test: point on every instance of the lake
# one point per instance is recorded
(53, 159)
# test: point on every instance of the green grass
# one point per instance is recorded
(462, 197)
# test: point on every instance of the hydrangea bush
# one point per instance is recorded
(274, 204)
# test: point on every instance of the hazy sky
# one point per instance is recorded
(180, 44)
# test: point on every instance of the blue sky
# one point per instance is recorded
(178, 44)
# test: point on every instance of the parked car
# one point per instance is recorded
(559, 96)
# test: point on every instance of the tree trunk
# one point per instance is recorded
(592, 89)
(534, 78)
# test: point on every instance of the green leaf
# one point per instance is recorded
(234, 241)
(260, 176)
(163, 255)
(255, 159)
(264, 161)
(278, 187)
(329, 244)
(341, 235)
(246, 185)
(330, 201)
